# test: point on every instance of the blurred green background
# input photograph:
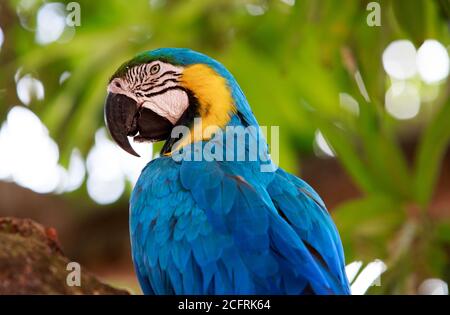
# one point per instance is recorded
(363, 110)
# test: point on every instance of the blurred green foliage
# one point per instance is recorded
(292, 62)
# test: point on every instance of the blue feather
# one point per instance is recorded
(261, 235)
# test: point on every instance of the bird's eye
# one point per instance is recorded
(154, 69)
(117, 84)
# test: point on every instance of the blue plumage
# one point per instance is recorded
(225, 227)
(232, 236)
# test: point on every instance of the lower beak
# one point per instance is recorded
(125, 118)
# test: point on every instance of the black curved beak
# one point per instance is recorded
(124, 118)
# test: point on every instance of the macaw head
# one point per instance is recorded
(157, 90)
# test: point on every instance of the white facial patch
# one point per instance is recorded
(155, 86)
(170, 104)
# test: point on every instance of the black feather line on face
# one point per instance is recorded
(142, 59)
(141, 75)
(146, 85)
(137, 75)
(165, 73)
(165, 90)
(152, 87)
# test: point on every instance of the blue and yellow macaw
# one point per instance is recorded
(214, 225)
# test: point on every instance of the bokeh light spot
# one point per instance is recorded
(255, 9)
(2, 38)
(402, 100)
(433, 287)
(432, 61)
(321, 147)
(352, 270)
(29, 156)
(51, 22)
(368, 277)
(349, 103)
(64, 76)
(29, 88)
(109, 166)
(289, 2)
(399, 59)
(76, 171)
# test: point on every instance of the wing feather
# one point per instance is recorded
(211, 228)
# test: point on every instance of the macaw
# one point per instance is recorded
(214, 225)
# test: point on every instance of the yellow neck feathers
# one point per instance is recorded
(215, 101)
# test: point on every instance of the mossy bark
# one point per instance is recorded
(32, 262)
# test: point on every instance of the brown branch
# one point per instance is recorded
(32, 262)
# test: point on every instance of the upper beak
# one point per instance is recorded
(125, 118)
(120, 116)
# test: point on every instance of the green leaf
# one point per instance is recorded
(410, 16)
(430, 153)
(366, 224)
(443, 231)
(348, 154)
